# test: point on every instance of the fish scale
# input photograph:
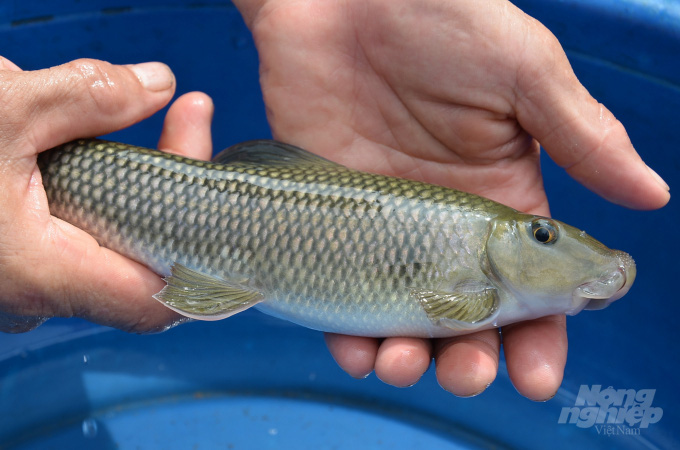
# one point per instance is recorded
(294, 235)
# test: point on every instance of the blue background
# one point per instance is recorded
(255, 382)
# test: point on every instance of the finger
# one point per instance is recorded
(6, 64)
(354, 354)
(62, 271)
(79, 99)
(579, 133)
(402, 361)
(536, 353)
(186, 130)
(50, 267)
(467, 365)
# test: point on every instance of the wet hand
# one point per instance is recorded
(48, 267)
(453, 93)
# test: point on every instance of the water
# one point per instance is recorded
(89, 428)
(9, 323)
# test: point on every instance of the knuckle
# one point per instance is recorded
(97, 82)
(15, 112)
(83, 84)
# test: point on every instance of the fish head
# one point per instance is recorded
(551, 267)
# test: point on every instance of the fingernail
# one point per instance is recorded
(658, 179)
(154, 76)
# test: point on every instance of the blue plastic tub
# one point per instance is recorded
(255, 382)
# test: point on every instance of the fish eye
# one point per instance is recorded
(544, 231)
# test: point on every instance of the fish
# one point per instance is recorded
(270, 226)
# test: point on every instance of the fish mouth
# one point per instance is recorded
(600, 293)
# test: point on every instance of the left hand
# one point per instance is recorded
(457, 94)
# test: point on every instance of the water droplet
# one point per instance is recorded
(273, 431)
(89, 428)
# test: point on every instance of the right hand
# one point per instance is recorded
(48, 267)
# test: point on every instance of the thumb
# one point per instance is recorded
(78, 99)
(580, 134)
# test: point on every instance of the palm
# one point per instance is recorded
(435, 109)
(452, 93)
(375, 99)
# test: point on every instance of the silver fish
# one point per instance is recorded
(271, 226)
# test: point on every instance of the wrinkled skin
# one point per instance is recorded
(445, 92)
(453, 93)
(48, 267)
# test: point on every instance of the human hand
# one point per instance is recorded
(48, 267)
(453, 93)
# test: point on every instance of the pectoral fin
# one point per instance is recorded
(458, 309)
(202, 297)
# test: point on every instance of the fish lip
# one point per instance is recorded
(600, 293)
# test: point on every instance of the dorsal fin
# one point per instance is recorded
(268, 152)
